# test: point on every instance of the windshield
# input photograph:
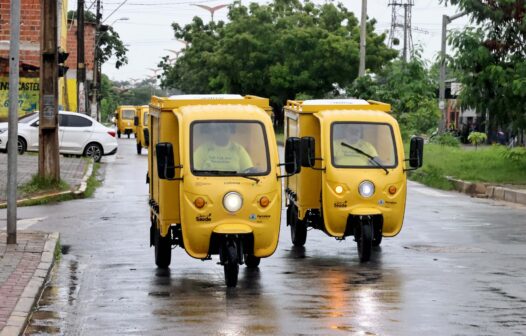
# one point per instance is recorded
(25, 119)
(229, 148)
(145, 119)
(362, 143)
(128, 114)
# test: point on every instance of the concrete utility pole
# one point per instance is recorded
(442, 85)
(48, 157)
(95, 88)
(12, 129)
(363, 38)
(81, 66)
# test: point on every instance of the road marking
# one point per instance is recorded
(23, 224)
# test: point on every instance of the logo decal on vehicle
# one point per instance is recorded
(342, 204)
(381, 202)
(203, 218)
(252, 217)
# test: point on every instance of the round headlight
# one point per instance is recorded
(338, 189)
(366, 189)
(232, 201)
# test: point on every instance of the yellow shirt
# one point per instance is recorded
(232, 157)
(345, 156)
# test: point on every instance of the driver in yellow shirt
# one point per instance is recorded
(221, 154)
(352, 134)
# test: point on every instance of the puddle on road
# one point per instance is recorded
(58, 297)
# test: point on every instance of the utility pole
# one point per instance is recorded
(48, 157)
(442, 76)
(363, 38)
(404, 54)
(406, 26)
(95, 82)
(12, 128)
(81, 66)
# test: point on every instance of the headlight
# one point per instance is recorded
(366, 189)
(232, 201)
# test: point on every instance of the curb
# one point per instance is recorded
(486, 190)
(17, 321)
(79, 192)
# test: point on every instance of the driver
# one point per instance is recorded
(221, 153)
(352, 134)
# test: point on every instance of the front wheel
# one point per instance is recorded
(129, 135)
(231, 264)
(252, 261)
(94, 151)
(364, 241)
(163, 249)
(21, 146)
(139, 148)
(298, 228)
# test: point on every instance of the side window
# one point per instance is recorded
(62, 120)
(78, 121)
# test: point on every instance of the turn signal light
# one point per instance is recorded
(199, 202)
(392, 190)
(264, 201)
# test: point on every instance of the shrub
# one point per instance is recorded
(516, 154)
(477, 138)
(446, 139)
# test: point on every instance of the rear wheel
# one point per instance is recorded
(377, 237)
(298, 228)
(364, 240)
(139, 148)
(129, 134)
(94, 151)
(119, 134)
(252, 261)
(163, 249)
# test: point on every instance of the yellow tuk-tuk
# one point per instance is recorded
(124, 116)
(214, 186)
(142, 135)
(354, 177)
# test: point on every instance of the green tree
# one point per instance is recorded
(409, 87)
(109, 41)
(491, 59)
(277, 50)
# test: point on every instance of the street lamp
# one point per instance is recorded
(119, 19)
(211, 10)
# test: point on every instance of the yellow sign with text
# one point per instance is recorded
(28, 94)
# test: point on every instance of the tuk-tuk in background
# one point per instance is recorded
(352, 178)
(124, 117)
(142, 135)
(214, 186)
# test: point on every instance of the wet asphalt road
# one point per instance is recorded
(457, 268)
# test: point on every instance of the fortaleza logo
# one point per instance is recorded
(203, 218)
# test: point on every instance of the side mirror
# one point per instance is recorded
(165, 160)
(307, 152)
(416, 152)
(135, 121)
(292, 155)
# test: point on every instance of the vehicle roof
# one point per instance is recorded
(225, 111)
(170, 103)
(317, 105)
(206, 96)
(365, 116)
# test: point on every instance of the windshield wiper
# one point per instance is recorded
(371, 158)
(226, 173)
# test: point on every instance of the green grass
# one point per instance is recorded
(486, 164)
(92, 183)
(39, 185)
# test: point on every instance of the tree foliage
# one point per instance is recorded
(409, 87)
(277, 50)
(109, 41)
(491, 58)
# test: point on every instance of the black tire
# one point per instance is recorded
(231, 265)
(129, 135)
(364, 241)
(252, 261)
(139, 148)
(21, 146)
(298, 229)
(119, 134)
(163, 249)
(377, 237)
(94, 151)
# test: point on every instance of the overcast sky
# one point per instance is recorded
(147, 31)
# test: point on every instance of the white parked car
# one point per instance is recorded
(78, 135)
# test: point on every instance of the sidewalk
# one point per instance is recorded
(24, 268)
(71, 171)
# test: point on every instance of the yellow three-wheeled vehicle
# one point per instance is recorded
(124, 116)
(214, 186)
(354, 177)
(142, 134)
